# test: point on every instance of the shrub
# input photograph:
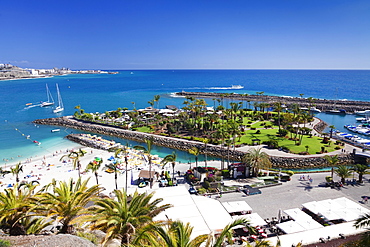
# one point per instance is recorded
(4, 243)
(225, 173)
(253, 128)
(206, 185)
(258, 132)
(89, 236)
(329, 179)
(202, 191)
(282, 132)
(337, 148)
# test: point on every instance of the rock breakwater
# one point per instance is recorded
(180, 144)
(321, 104)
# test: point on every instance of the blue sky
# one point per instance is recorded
(182, 34)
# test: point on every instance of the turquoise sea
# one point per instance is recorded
(101, 92)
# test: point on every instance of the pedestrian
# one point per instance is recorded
(365, 199)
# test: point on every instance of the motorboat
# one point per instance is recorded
(363, 113)
(340, 111)
(55, 130)
(314, 109)
(237, 87)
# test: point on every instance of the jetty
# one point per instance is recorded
(349, 106)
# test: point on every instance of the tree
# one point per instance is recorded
(15, 205)
(113, 167)
(18, 168)
(343, 172)
(156, 99)
(363, 221)
(332, 127)
(123, 216)
(67, 202)
(195, 151)
(257, 160)
(227, 233)
(174, 234)
(94, 166)
(360, 169)
(147, 150)
(332, 161)
(171, 158)
(75, 156)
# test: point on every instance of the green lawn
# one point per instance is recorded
(314, 143)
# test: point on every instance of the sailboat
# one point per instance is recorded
(60, 106)
(50, 98)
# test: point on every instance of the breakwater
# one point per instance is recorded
(321, 104)
(184, 145)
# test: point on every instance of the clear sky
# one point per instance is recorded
(181, 34)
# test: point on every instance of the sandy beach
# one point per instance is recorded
(44, 169)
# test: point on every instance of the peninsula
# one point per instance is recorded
(11, 72)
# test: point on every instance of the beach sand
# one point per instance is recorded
(46, 168)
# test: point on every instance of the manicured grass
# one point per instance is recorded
(314, 143)
(144, 129)
(262, 124)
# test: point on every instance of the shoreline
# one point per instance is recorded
(278, 158)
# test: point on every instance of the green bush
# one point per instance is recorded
(202, 191)
(4, 243)
(89, 236)
(206, 185)
(226, 173)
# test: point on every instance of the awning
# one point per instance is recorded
(146, 174)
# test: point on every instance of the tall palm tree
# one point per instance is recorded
(195, 151)
(343, 172)
(332, 127)
(122, 217)
(363, 221)
(118, 153)
(332, 161)
(94, 166)
(360, 169)
(113, 167)
(257, 160)
(75, 156)
(147, 150)
(18, 168)
(171, 158)
(156, 99)
(67, 202)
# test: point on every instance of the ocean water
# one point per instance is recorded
(101, 92)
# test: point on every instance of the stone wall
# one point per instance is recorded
(181, 144)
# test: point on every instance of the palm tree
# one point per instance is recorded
(257, 160)
(205, 141)
(332, 127)
(123, 216)
(147, 150)
(360, 169)
(15, 205)
(174, 234)
(227, 233)
(94, 166)
(332, 161)
(67, 202)
(75, 156)
(18, 168)
(156, 99)
(171, 158)
(195, 151)
(361, 222)
(113, 167)
(343, 172)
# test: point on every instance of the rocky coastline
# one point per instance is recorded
(322, 104)
(180, 144)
